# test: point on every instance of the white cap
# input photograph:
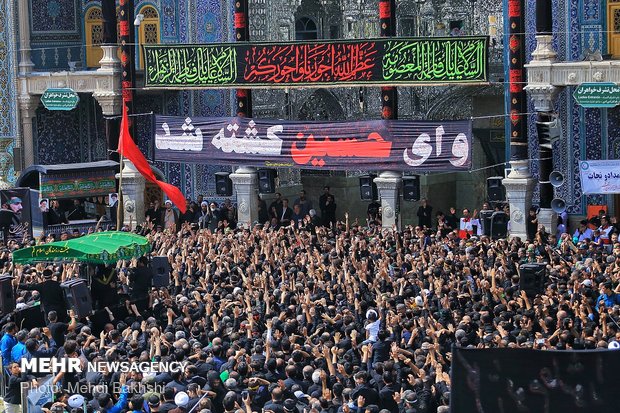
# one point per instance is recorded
(181, 399)
(76, 401)
(204, 203)
(419, 301)
(613, 345)
(168, 202)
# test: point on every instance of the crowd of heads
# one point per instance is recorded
(344, 317)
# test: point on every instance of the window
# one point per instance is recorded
(149, 29)
(305, 29)
(94, 37)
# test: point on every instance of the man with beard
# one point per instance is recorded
(215, 391)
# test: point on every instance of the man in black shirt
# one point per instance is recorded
(13, 396)
(59, 329)
(52, 298)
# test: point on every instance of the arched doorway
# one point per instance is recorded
(321, 105)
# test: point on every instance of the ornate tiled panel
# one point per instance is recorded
(8, 74)
(53, 16)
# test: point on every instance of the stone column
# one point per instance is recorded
(27, 112)
(245, 183)
(389, 184)
(25, 62)
(132, 200)
(519, 188)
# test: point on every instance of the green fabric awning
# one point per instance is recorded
(98, 248)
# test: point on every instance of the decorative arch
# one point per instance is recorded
(306, 29)
(93, 28)
(321, 105)
(149, 32)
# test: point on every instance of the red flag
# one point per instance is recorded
(130, 150)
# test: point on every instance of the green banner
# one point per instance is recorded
(74, 184)
(386, 62)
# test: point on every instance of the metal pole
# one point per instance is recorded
(119, 203)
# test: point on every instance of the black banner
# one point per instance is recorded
(20, 214)
(386, 62)
(378, 144)
(522, 380)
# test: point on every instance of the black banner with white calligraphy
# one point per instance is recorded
(385, 62)
(367, 145)
(522, 380)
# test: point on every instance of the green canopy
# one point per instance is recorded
(98, 248)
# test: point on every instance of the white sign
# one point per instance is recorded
(600, 177)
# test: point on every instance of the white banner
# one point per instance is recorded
(600, 177)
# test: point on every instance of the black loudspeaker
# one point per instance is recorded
(496, 192)
(532, 278)
(7, 298)
(485, 221)
(17, 159)
(78, 297)
(411, 188)
(267, 181)
(31, 317)
(223, 184)
(499, 225)
(368, 188)
(161, 271)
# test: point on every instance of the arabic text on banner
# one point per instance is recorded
(438, 146)
(600, 177)
(352, 62)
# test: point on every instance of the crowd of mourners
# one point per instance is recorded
(311, 315)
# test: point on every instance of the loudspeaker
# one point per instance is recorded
(267, 181)
(368, 188)
(558, 205)
(532, 278)
(161, 271)
(31, 317)
(556, 178)
(499, 225)
(495, 190)
(411, 188)
(17, 159)
(485, 221)
(7, 298)
(223, 184)
(78, 297)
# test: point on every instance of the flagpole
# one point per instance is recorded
(119, 204)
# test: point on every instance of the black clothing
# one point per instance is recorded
(387, 397)
(52, 297)
(322, 202)
(141, 279)
(531, 227)
(370, 395)
(452, 221)
(329, 216)
(56, 216)
(77, 212)
(424, 216)
(373, 210)
(58, 331)
(275, 209)
(155, 216)
(263, 214)
(13, 392)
